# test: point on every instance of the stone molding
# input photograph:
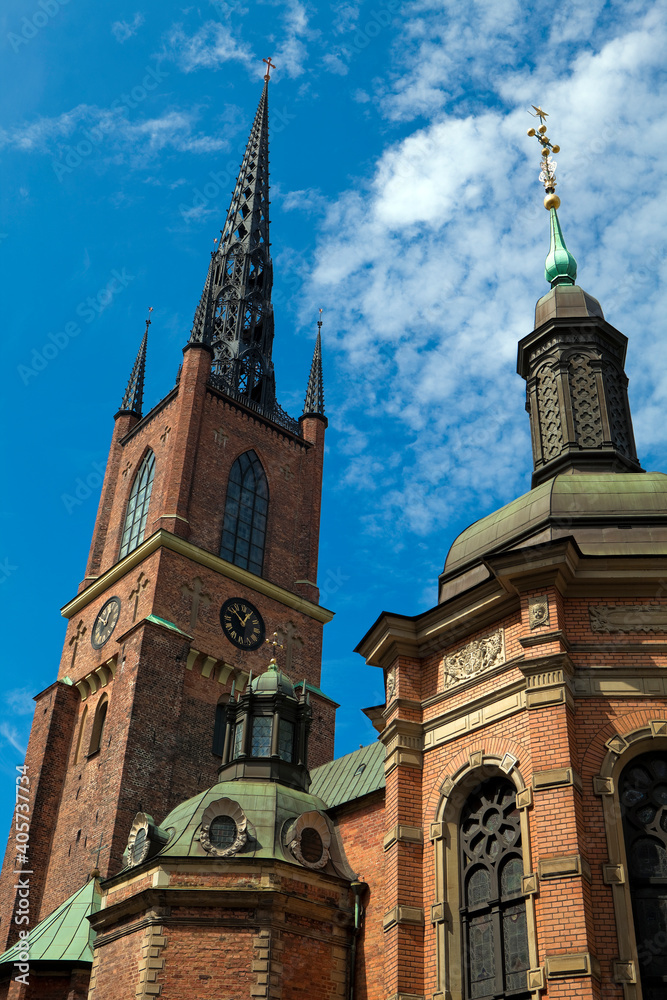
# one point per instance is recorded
(403, 834)
(530, 885)
(475, 714)
(209, 666)
(267, 955)
(410, 996)
(150, 963)
(535, 978)
(558, 777)
(628, 618)
(404, 743)
(476, 657)
(571, 966)
(569, 866)
(647, 682)
(403, 915)
(548, 681)
(625, 972)
(162, 539)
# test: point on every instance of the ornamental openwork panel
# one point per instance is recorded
(493, 910)
(643, 795)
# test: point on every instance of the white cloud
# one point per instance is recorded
(20, 701)
(441, 257)
(122, 30)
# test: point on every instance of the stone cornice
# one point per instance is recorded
(165, 540)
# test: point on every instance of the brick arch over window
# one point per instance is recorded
(246, 510)
(619, 780)
(483, 787)
(137, 506)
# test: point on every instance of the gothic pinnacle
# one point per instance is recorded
(560, 265)
(134, 394)
(314, 402)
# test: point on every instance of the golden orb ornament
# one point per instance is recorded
(542, 129)
(531, 131)
(551, 201)
(555, 149)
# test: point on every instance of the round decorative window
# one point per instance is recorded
(311, 845)
(224, 828)
(139, 845)
(222, 832)
(309, 838)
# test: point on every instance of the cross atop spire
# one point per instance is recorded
(134, 394)
(314, 402)
(269, 67)
(560, 266)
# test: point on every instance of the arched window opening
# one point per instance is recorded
(219, 726)
(246, 507)
(98, 726)
(493, 911)
(643, 794)
(137, 507)
(79, 742)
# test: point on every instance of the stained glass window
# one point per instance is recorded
(222, 832)
(137, 507)
(238, 739)
(261, 736)
(643, 794)
(246, 507)
(495, 935)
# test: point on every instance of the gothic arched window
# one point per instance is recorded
(244, 526)
(220, 725)
(493, 910)
(98, 725)
(137, 507)
(643, 794)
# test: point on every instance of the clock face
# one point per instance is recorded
(242, 623)
(105, 623)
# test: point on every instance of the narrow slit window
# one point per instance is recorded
(98, 726)
(246, 509)
(137, 507)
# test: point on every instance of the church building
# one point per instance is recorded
(182, 827)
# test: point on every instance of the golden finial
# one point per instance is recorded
(276, 645)
(548, 171)
(148, 321)
(319, 321)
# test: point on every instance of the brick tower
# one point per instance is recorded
(205, 545)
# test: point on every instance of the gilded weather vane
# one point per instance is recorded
(548, 165)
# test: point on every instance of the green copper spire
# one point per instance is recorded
(560, 266)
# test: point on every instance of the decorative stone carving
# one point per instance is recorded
(391, 684)
(475, 658)
(313, 822)
(538, 611)
(549, 411)
(616, 384)
(585, 402)
(629, 618)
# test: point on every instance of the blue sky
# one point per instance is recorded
(405, 203)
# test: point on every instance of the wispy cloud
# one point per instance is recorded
(122, 30)
(213, 45)
(20, 701)
(12, 736)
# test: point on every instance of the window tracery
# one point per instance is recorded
(137, 507)
(246, 508)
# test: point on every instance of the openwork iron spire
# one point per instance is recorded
(134, 394)
(235, 315)
(314, 403)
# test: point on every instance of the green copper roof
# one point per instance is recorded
(560, 265)
(166, 624)
(65, 935)
(586, 505)
(349, 777)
